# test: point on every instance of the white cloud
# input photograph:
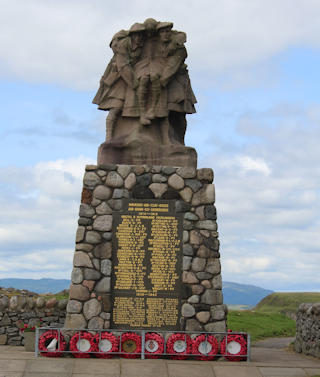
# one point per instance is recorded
(67, 42)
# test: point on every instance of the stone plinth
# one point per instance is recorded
(107, 189)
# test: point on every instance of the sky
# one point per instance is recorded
(254, 68)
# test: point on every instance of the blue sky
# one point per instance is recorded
(254, 70)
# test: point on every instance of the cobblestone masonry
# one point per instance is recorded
(308, 329)
(29, 310)
(104, 191)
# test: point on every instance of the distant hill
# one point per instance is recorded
(282, 302)
(43, 285)
(243, 294)
(233, 293)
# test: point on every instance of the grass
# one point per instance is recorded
(281, 302)
(261, 325)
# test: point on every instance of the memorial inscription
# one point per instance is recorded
(147, 261)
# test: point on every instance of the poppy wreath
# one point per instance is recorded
(242, 342)
(154, 345)
(207, 341)
(174, 341)
(130, 345)
(73, 345)
(45, 340)
(106, 338)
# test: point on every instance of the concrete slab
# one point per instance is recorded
(11, 374)
(312, 371)
(46, 374)
(47, 365)
(12, 365)
(236, 371)
(143, 368)
(183, 369)
(287, 372)
(107, 367)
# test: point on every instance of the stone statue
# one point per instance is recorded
(147, 91)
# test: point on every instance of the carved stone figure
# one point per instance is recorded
(146, 89)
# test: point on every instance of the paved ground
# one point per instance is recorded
(266, 362)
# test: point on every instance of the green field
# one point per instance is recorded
(261, 325)
(285, 301)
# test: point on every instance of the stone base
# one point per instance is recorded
(139, 153)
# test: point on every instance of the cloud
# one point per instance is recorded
(67, 42)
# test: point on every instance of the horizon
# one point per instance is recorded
(255, 74)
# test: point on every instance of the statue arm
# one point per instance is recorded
(123, 63)
(174, 63)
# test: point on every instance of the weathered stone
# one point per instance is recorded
(185, 236)
(168, 170)
(86, 210)
(3, 339)
(89, 284)
(104, 315)
(103, 209)
(84, 247)
(189, 277)
(101, 173)
(75, 321)
(138, 169)
(205, 174)
(216, 282)
(159, 178)
(190, 216)
(74, 306)
(13, 303)
(144, 179)
(200, 212)
(213, 266)
(193, 325)
(203, 317)
(114, 179)
(194, 299)
(106, 325)
(107, 236)
(51, 303)
(84, 221)
(187, 225)
(186, 194)
(115, 204)
(80, 233)
(206, 195)
(62, 304)
(158, 189)
(40, 302)
(188, 310)
(217, 312)
(203, 275)
(187, 250)
(198, 264)
(102, 192)
(210, 212)
(171, 194)
(5, 320)
(103, 285)
(206, 284)
(91, 180)
(93, 237)
(197, 289)
(203, 252)
(106, 267)
(194, 184)
(212, 297)
(142, 192)
(91, 167)
(124, 170)
(195, 238)
(130, 181)
(91, 308)
(103, 250)
(4, 301)
(106, 302)
(96, 323)
(81, 259)
(216, 326)
(79, 292)
(95, 202)
(31, 303)
(96, 263)
(91, 274)
(206, 224)
(186, 172)
(120, 193)
(103, 223)
(176, 182)
(182, 206)
(205, 233)
(186, 263)
(108, 167)
(212, 243)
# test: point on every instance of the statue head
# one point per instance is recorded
(115, 39)
(150, 25)
(164, 30)
(136, 32)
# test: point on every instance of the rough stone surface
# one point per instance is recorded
(114, 179)
(124, 170)
(75, 321)
(103, 250)
(84, 247)
(211, 297)
(205, 195)
(193, 325)
(206, 224)
(159, 178)
(217, 312)
(195, 238)
(91, 179)
(216, 282)
(103, 209)
(186, 172)
(194, 299)
(176, 182)
(102, 192)
(186, 263)
(203, 252)
(103, 285)
(188, 310)
(130, 181)
(96, 323)
(197, 289)
(93, 237)
(202, 275)
(219, 326)
(80, 233)
(81, 259)
(198, 264)
(213, 266)
(205, 174)
(91, 308)
(74, 306)
(103, 223)
(78, 292)
(189, 277)
(158, 189)
(106, 267)
(187, 250)
(91, 274)
(203, 317)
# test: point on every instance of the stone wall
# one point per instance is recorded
(105, 188)
(29, 310)
(308, 329)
